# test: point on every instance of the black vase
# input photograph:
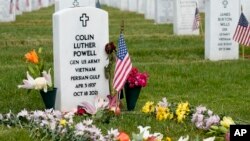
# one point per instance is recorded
(132, 94)
(49, 98)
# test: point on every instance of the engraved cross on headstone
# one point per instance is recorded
(84, 18)
(75, 3)
(225, 3)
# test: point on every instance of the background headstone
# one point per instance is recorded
(222, 17)
(18, 7)
(141, 7)
(132, 5)
(170, 11)
(184, 14)
(246, 8)
(124, 5)
(7, 10)
(161, 11)
(150, 9)
(201, 4)
(62, 4)
(79, 38)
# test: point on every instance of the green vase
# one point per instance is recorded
(49, 98)
(132, 94)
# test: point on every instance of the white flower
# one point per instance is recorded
(210, 113)
(23, 113)
(113, 133)
(200, 109)
(158, 136)
(87, 122)
(209, 139)
(29, 83)
(47, 77)
(52, 125)
(183, 139)
(144, 131)
(101, 103)
(41, 83)
(69, 115)
(1, 117)
(164, 102)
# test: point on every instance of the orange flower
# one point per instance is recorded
(32, 57)
(123, 137)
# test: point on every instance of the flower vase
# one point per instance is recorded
(132, 94)
(49, 98)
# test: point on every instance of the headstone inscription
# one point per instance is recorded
(7, 10)
(161, 11)
(222, 17)
(79, 38)
(184, 14)
(62, 4)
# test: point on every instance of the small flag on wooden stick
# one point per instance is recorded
(242, 32)
(123, 65)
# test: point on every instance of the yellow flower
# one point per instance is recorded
(182, 111)
(163, 113)
(63, 122)
(227, 121)
(148, 107)
(168, 139)
(32, 57)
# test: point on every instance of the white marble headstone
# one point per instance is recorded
(150, 9)
(141, 7)
(246, 8)
(18, 7)
(161, 11)
(27, 5)
(79, 38)
(184, 15)
(170, 11)
(62, 4)
(7, 10)
(201, 4)
(132, 5)
(124, 5)
(222, 17)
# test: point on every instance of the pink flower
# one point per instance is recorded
(137, 79)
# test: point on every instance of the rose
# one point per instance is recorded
(110, 47)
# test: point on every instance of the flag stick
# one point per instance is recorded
(243, 52)
(201, 26)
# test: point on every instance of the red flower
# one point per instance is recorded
(110, 47)
(137, 79)
(80, 111)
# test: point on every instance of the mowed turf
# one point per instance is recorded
(175, 64)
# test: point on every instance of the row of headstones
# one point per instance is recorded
(80, 35)
(10, 8)
(221, 20)
(161, 11)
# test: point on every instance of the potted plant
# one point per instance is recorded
(38, 78)
(135, 81)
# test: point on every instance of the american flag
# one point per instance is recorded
(242, 32)
(196, 22)
(11, 7)
(123, 65)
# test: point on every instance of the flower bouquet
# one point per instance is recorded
(135, 81)
(38, 78)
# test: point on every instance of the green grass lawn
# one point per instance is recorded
(175, 64)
